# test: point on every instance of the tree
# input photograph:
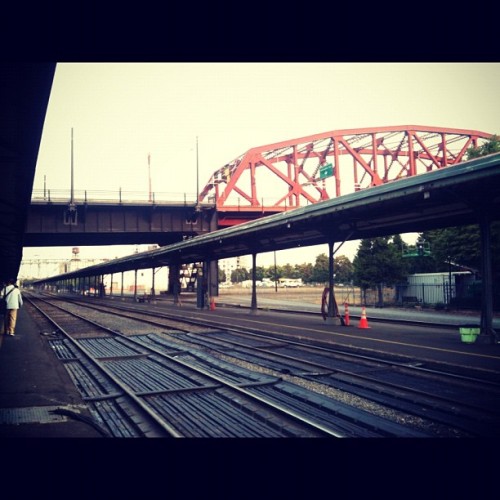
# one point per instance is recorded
(488, 148)
(305, 271)
(260, 273)
(379, 261)
(221, 275)
(461, 245)
(239, 275)
(321, 269)
(343, 269)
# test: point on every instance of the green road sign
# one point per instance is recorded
(420, 249)
(325, 171)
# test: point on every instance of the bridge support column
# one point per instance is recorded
(213, 276)
(102, 289)
(201, 285)
(174, 285)
(153, 282)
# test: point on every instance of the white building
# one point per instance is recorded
(434, 288)
(229, 265)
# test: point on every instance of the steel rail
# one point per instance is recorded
(402, 367)
(271, 335)
(158, 418)
(401, 395)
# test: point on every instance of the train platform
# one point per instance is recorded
(409, 314)
(37, 396)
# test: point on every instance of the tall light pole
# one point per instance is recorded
(149, 175)
(72, 171)
(197, 173)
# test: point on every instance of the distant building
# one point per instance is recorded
(229, 265)
(434, 288)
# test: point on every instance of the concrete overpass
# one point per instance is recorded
(89, 222)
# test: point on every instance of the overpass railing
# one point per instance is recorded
(111, 197)
(40, 196)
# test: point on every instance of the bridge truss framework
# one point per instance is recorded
(288, 174)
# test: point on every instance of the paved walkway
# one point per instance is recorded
(37, 396)
(428, 316)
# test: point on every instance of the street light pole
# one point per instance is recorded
(72, 171)
(149, 175)
(197, 173)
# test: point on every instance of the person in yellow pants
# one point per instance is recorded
(14, 301)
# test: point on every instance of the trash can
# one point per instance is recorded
(469, 333)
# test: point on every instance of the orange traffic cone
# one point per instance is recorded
(346, 314)
(363, 322)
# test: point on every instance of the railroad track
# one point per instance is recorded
(464, 404)
(150, 385)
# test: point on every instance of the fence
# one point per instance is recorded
(118, 196)
(410, 295)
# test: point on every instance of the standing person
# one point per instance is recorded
(14, 301)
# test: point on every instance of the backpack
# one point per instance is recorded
(3, 304)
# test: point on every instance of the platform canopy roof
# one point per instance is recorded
(24, 96)
(453, 196)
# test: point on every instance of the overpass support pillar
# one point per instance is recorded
(153, 292)
(174, 285)
(213, 278)
(201, 285)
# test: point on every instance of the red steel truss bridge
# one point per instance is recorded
(288, 174)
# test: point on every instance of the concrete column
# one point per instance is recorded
(174, 284)
(213, 278)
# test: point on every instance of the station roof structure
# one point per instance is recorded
(452, 196)
(24, 96)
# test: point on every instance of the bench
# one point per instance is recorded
(411, 300)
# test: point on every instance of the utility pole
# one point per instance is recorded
(70, 215)
(197, 174)
(72, 169)
(149, 174)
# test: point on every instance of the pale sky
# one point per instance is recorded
(121, 112)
